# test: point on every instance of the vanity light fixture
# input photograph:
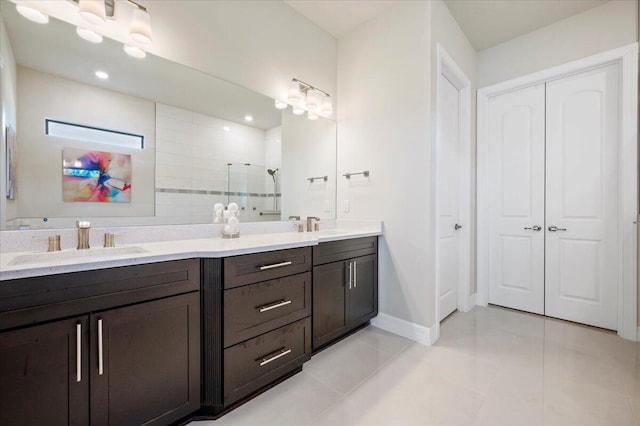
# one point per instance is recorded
(303, 97)
(280, 104)
(93, 11)
(96, 12)
(32, 14)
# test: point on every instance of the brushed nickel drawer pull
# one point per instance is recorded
(275, 265)
(278, 304)
(78, 352)
(100, 354)
(282, 353)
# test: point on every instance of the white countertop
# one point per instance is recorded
(150, 252)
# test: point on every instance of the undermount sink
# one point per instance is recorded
(53, 256)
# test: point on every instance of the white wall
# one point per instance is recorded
(446, 32)
(43, 96)
(596, 30)
(308, 150)
(8, 85)
(384, 87)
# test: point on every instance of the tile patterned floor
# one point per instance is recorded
(491, 366)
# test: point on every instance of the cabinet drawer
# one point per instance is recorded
(31, 300)
(255, 363)
(253, 268)
(334, 251)
(257, 308)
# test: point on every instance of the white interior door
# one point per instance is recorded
(516, 199)
(583, 127)
(449, 172)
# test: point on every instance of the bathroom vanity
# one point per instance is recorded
(176, 339)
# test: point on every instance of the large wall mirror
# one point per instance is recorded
(198, 146)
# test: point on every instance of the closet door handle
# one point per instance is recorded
(100, 353)
(555, 228)
(78, 352)
(534, 228)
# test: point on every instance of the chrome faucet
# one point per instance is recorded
(309, 222)
(83, 234)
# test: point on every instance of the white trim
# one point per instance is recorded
(448, 69)
(627, 56)
(417, 333)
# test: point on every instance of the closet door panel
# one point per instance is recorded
(516, 237)
(583, 127)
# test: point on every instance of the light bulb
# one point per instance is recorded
(89, 35)
(280, 104)
(92, 11)
(134, 51)
(298, 110)
(140, 30)
(32, 14)
(102, 75)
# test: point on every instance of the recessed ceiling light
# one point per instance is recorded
(32, 14)
(102, 75)
(226, 128)
(248, 118)
(89, 35)
(134, 51)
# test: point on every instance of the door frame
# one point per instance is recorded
(627, 57)
(448, 69)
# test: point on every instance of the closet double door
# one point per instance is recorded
(553, 215)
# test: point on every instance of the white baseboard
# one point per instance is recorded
(417, 333)
(470, 303)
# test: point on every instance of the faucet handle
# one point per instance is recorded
(294, 217)
(83, 224)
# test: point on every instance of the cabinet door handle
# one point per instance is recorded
(275, 265)
(350, 276)
(78, 352)
(100, 354)
(355, 274)
(281, 352)
(270, 306)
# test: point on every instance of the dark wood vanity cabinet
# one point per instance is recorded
(135, 364)
(345, 287)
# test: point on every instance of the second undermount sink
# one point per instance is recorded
(53, 256)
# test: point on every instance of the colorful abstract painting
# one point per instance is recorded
(96, 176)
(11, 163)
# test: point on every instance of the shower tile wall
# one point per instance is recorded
(192, 171)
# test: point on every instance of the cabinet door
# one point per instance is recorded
(329, 302)
(362, 296)
(145, 362)
(43, 374)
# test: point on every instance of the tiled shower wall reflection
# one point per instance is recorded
(199, 163)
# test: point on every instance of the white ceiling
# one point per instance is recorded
(485, 22)
(339, 17)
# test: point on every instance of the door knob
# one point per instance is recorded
(535, 228)
(456, 227)
(555, 228)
